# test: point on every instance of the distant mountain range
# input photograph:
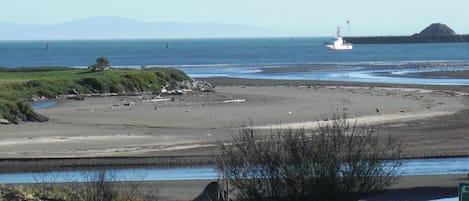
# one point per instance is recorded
(124, 28)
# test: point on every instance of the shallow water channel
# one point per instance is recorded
(43, 104)
(410, 167)
(392, 75)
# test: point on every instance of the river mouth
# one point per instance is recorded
(411, 167)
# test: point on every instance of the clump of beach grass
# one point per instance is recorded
(20, 85)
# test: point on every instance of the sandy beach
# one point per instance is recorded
(197, 122)
(431, 120)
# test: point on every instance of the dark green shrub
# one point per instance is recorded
(14, 111)
(94, 84)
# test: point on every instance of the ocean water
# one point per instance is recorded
(216, 51)
(245, 58)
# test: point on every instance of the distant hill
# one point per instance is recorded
(124, 28)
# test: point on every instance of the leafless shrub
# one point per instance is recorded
(101, 186)
(336, 161)
(136, 190)
(104, 186)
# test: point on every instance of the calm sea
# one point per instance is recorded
(244, 58)
(215, 51)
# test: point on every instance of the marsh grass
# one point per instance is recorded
(99, 186)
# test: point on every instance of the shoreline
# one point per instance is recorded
(19, 165)
(178, 150)
(227, 81)
(152, 133)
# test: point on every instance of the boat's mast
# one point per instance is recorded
(338, 32)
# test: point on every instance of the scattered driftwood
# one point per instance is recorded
(172, 92)
(4, 121)
(157, 100)
(197, 85)
(234, 101)
(76, 97)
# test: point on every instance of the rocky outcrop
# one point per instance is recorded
(36, 117)
(437, 29)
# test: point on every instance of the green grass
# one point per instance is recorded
(55, 72)
(18, 85)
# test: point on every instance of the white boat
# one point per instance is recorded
(338, 43)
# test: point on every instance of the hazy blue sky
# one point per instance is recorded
(302, 17)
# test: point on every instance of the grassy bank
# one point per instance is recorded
(19, 85)
(98, 186)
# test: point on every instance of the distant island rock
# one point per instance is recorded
(434, 33)
(437, 29)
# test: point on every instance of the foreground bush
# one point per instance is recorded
(336, 161)
(100, 186)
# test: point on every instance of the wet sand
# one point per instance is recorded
(197, 122)
(432, 120)
(444, 74)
